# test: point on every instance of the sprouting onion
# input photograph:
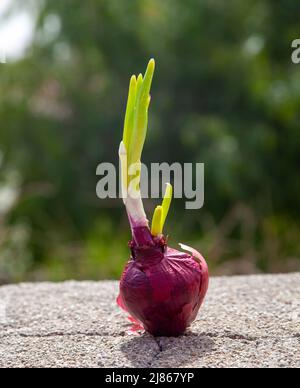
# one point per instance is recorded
(162, 288)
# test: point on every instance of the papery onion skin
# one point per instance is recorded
(163, 288)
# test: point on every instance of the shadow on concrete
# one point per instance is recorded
(172, 352)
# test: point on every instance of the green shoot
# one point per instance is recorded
(129, 116)
(136, 117)
(134, 135)
(166, 204)
(156, 228)
(161, 212)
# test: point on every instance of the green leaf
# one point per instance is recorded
(129, 116)
(139, 132)
(166, 203)
(156, 227)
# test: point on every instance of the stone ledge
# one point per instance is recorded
(247, 321)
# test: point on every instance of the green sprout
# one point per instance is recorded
(134, 135)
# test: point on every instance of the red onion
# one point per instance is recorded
(162, 288)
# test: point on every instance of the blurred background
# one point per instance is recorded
(225, 93)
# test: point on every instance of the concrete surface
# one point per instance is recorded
(247, 321)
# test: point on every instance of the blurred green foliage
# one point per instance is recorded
(225, 93)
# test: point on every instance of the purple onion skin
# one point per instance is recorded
(163, 288)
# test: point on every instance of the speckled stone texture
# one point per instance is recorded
(246, 321)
